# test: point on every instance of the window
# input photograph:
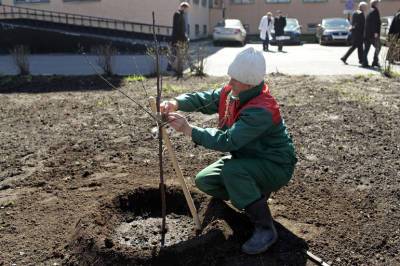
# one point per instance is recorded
(196, 2)
(242, 2)
(277, 1)
(204, 3)
(204, 29)
(30, 1)
(197, 29)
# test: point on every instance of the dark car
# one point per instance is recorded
(334, 31)
(292, 32)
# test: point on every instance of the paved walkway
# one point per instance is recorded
(308, 59)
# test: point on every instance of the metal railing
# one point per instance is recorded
(16, 12)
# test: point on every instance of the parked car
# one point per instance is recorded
(334, 30)
(229, 30)
(385, 26)
(292, 32)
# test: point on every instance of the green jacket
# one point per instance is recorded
(250, 124)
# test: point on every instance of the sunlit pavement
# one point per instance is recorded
(307, 59)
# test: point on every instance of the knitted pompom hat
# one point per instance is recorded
(248, 67)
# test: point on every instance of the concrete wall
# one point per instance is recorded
(305, 12)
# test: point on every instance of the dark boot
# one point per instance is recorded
(376, 64)
(264, 234)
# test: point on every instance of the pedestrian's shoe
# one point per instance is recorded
(365, 65)
(265, 234)
(376, 64)
(343, 60)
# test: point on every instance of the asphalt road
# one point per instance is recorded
(307, 59)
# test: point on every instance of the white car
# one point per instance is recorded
(229, 30)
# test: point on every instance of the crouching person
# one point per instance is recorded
(262, 156)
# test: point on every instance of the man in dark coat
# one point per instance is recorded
(372, 34)
(357, 33)
(279, 27)
(395, 26)
(179, 39)
(394, 37)
(179, 24)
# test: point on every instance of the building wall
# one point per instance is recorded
(131, 10)
(199, 15)
(306, 13)
(250, 14)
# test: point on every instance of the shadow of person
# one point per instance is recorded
(288, 250)
(370, 68)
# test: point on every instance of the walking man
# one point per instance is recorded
(179, 38)
(262, 156)
(357, 32)
(279, 26)
(265, 28)
(372, 34)
(393, 38)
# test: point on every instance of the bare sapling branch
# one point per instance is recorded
(160, 136)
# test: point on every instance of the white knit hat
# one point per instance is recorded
(248, 67)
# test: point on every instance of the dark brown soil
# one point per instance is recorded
(67, 154)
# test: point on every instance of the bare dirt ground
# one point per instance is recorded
(69, 145)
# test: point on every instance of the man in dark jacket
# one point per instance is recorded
(179, 24)
(179, 40)
(279, 27)
(394, 37)
(372, 33)
(357, 33)
(395, 26)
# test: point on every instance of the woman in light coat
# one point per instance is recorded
(266, 27)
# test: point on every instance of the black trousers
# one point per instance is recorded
(266, 42)
(377, 45)
(279, 43)
(360, 49)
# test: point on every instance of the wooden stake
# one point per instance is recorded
(178, 170)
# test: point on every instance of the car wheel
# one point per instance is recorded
(216, 43)
(321, 42)
(243, 43)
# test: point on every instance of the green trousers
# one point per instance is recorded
(242, 181)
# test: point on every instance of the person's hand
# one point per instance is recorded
(376, 35)
(180, 124)
(168, 106)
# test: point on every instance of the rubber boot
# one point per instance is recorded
(265, 234)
